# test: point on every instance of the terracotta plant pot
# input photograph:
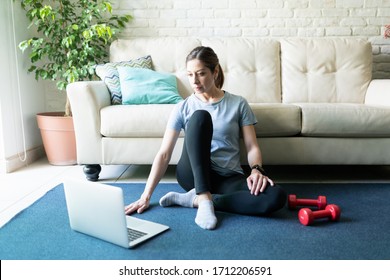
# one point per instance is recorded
(58, 138)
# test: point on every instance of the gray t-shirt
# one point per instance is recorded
(228, 114)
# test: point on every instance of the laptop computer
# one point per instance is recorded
(98, 210)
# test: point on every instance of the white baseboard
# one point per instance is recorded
(16, 162)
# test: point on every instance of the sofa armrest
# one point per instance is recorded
(378, 92)
(87, 98)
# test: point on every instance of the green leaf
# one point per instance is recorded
(43, 74)
(32, 68)
(61, 85)
(45, 12)
(24, 45)
(108, 7)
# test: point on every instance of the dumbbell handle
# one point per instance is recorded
(321, 214)
(320, 202)
(307, 216)
(305, 201)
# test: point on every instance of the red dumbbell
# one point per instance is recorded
(293, 202)
(307, 216)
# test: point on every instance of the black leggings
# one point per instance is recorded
(229, 193)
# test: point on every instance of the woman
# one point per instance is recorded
(209, 168)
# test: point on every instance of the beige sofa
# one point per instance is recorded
(314, 98)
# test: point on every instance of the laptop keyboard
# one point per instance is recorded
(134, 234)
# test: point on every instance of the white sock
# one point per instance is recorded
(205, 217)
(182, 199)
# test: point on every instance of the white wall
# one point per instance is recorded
(18, 128)
(263, 18)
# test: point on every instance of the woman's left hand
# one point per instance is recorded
(257, 182)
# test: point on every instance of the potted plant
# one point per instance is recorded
(72, 36)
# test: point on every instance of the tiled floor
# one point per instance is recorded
(21, 188)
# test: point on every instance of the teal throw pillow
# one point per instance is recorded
(145, 86)
(109, 74)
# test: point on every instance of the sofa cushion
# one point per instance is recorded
(109, 74)
(344, 120)
(150, 120)
(251, 67)
(145, 86)
(325, 70)
(135, 120)
(277, 119)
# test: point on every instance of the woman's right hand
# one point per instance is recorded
(140, 206)
(159, 167)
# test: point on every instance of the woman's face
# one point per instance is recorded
(200, 77)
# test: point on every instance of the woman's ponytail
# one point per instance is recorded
(220, 78)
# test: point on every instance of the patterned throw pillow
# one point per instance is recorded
(108, 72)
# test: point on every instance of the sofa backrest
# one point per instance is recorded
(327, 70)
(293, 70)
(251, 66)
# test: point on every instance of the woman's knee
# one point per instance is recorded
(201, 119)
(201, 115)
(277, 198)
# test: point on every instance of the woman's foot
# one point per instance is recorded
(181, 199)
(205, 217)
